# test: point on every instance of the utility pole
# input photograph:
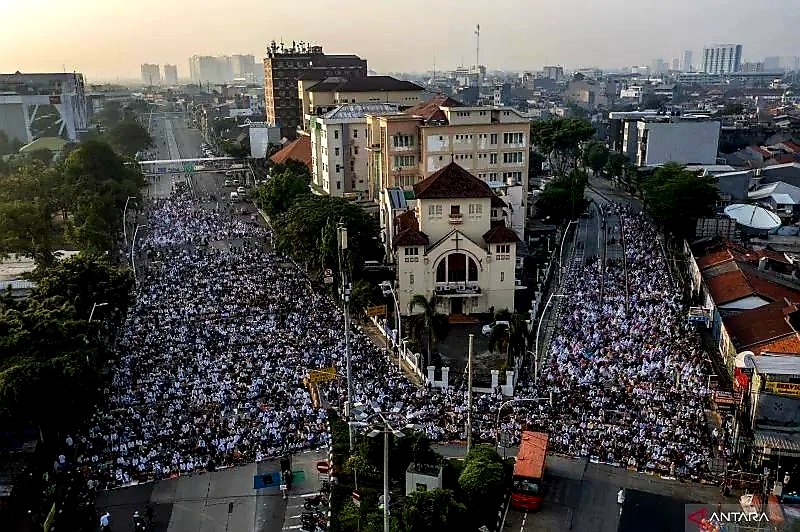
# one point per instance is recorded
(341, 233)
(469, 393)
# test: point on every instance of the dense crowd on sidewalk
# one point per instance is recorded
(213, 363)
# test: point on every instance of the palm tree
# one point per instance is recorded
(517, 337)
(430, 314)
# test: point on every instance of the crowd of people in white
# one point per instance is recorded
(214, 356)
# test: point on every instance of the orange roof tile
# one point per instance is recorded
(729, 286)
(714, 258)
(760, 324)
(298, 150)
(771, 290)
(789, 344)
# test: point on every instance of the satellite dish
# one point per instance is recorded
(753, 216)
(740, 361)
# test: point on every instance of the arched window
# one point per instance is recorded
(457, 268)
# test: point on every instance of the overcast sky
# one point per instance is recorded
(111, 38)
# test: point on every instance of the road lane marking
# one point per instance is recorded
(524, 518)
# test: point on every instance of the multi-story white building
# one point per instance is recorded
(455, 243)
(722, 58)
(339, 153)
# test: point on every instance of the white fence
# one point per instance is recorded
(412, 360)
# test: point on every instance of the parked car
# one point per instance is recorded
(234, 196)
(228, 183)
(241, 190)
(487, 329)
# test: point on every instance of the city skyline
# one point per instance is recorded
(574, 33)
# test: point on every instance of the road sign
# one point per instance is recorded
(322, 375)
(356, 498)
(378, 310)
(188, 168)
(323, 467)
(328, 272)
(327, 279)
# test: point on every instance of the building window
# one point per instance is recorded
(515, 176)
(492, 176)
(336, 151)
(502, 276)
(338, 168)
(512, 138)
(403, 161)
(410, 278)
(475, 210)
(513, 157)
(338, 185)
(503, 252)
(402, 141)
(492, 158)
(336, 133)
(411, 251)
(455, 210)
(355, 150)
(493, 138)
(435, 211)
(355, 133)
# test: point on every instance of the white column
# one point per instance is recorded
(431, 372)
(495, 377)
(445, 377)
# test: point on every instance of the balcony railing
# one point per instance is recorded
(456, 219)
(458, 288)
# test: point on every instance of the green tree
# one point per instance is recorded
(234, 148)
(8, 146)
(482, 481)
(363, 295)
(675, 197)
(560, 140)
(615, 164)
(129, 137)
(731, 109)
(434, 511)
(307, 231)
(595, 156)
(281, 191)
(563, 197)
(433, 321)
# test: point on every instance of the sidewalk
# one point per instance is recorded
(380, 341)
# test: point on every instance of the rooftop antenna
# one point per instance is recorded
(478, 56)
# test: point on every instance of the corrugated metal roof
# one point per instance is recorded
(17, 284)
(359, 110)
(776, 441)
(776, 365)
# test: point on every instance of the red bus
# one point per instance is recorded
(526, 491)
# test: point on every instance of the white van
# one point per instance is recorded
(234, 196)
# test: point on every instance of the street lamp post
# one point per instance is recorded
(91, 314)
(125, 219)
(341, 234)
(538, 330)
(133, 249)
(388, 289)
(384, 428)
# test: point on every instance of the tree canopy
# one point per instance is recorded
(282, 190)
(129, 137)
(675, 197)
(433, 511)
(482, 481)
(562, 198)
(595, 156)
(560, 140)
(307, 231)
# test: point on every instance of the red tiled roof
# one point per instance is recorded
(772, 290)
(714, 258)
(411, 237)
(760, 324)
(452, 181)
(297, 150)
(405, 220)
(430, 110)
(500, 235)
(788, 345)
(729, 286)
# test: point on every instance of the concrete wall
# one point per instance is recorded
(12, 121)
(685, 142)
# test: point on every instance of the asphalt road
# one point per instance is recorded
(226, 500)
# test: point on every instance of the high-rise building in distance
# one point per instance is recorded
(687, 61)
(170, 75)
(151, 74)
(722, 58)
(284, 66)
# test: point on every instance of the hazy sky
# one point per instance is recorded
(111, 38)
